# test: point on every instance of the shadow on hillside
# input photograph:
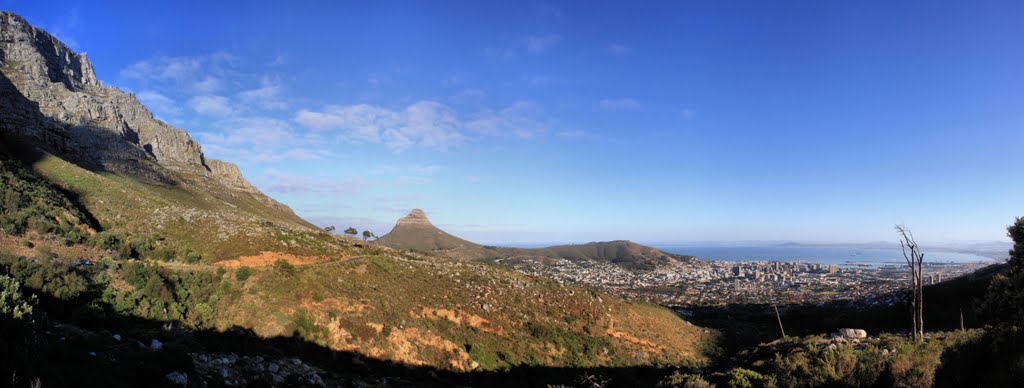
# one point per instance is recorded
(77, 348)
(29, 132)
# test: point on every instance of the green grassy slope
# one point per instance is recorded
(435, 311)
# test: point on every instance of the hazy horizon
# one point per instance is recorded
(694, 121)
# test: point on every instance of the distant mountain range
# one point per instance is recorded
(415, 232)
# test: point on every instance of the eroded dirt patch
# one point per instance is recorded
(458, 317)
(648, 345)
(266, 259)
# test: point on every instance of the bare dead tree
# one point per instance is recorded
(915, 259)
(962, 320)
(779, 317)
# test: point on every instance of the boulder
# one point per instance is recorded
(852, 333)
(177, 378)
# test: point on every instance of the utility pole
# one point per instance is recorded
(779, 317)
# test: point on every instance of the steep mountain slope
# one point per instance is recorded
(415, 232)
(134, 173)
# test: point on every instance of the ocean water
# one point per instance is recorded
(822, 255)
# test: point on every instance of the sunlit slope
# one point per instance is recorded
(435, 311)
(216, 222)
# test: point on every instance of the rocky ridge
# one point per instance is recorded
(65, 108)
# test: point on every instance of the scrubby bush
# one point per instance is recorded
(193, 257)
(107, 240)
(1004, 302)
(282, 266)
(45, 253)
(57, 279)
(306, 327)
(243, 273)
(14, 304)
(745, 378)
(685, 380)
(166, 295)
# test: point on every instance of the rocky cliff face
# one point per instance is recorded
(415, 217)
(56, 101)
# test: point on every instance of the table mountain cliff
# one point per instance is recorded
(136, 173)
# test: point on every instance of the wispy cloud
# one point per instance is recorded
(279, 182)
(543, 80)
(211, 105)
(260, 139)
(159, 102)
(521, 119)
(424, 124)
(500, 52)
(538, 44)
(66, 27)
(618, 49)
(619, 104)
(201, 73)
(688, 114)
(267, 96)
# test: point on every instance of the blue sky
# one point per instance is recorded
(571, 122)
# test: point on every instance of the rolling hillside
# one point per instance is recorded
(415, 232)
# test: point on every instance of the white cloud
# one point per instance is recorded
(267, 96)
(280, 182)
(209, 84)
(428, 124)
(540, 43)
(201, 73)
(66, 28)
(163, 68)
(688, 114)
(158, 102)
(519, 119)
(499, 52)
(618, 49)
(424, 124)
(543, 81)
(619, 104)
(258, 139)
(211, 105)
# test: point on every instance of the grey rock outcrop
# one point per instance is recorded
(415, 217)
(52, 97)
(852, 333)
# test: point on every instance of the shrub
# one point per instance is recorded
(243, 273)
(44, 252)
(745, 378)
(13, 303)
(28, 244)
(284, 267)
(684, 380)
(107, 240)
(306, 327)
(193, 257)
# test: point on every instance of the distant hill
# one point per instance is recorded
(622, 252)
(415, 232)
